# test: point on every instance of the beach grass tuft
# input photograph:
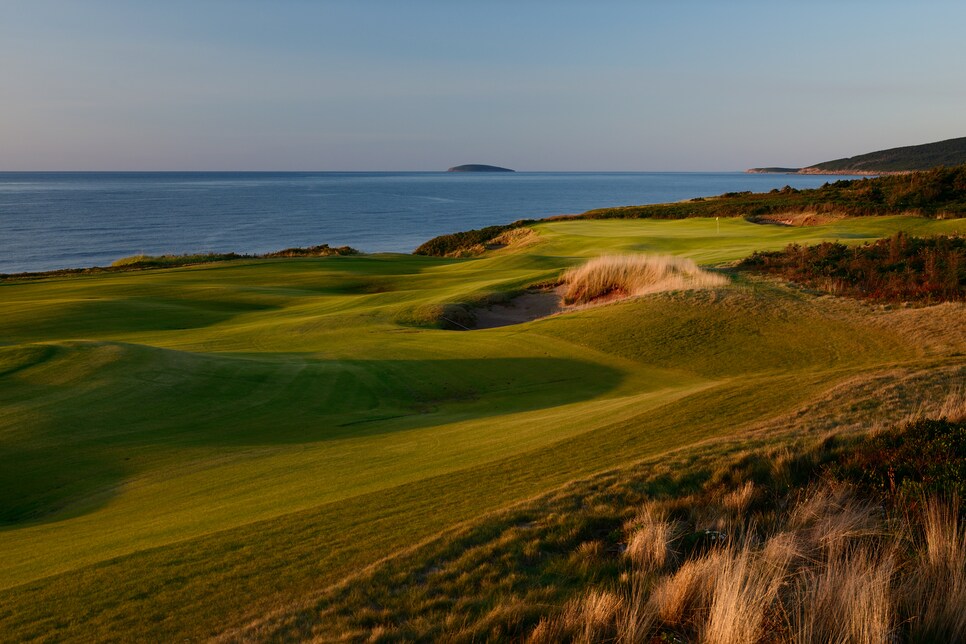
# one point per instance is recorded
(618, 276)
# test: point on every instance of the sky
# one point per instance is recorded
(538, 85)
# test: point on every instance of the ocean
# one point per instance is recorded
(79, 219)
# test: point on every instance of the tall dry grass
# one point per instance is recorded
(630, 275)
(848, 597)
(832, 568)
(650, 547)
(937, 596)
(745, 588)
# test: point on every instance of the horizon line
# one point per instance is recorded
(373, 171)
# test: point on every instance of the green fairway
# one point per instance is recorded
(183, 449)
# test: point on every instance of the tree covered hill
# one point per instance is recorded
(913, 157)
(908, 158)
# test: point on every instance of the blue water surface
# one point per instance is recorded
(78, 219)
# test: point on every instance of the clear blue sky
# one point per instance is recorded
(422, 85)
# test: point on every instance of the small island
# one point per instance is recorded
(478, 167)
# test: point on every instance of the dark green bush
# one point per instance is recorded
(900, 268)
(922, 458)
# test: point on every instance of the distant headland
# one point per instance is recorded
(478, 167)
(892, 161)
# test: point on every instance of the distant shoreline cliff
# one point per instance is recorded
(911, 158)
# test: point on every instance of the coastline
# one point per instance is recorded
(855, 172)
(841, 173)
(66, 221)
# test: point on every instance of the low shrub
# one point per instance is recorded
(322, 250)
(468, 242)
(164, 261)
(899, 268)
(925, 457)
(167, 261)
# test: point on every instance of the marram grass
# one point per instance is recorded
(617, 276)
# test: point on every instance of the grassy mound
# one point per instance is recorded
(467, 243)
(630, 275)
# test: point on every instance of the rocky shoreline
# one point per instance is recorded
(816, 171)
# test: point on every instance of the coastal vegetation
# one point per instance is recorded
(469, 242)
(900, 268)
(298, 447)
(140, 261)
(168, 261)
(939, 193)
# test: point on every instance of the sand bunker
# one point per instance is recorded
(532, 305)
(796, 219)
(602, 280)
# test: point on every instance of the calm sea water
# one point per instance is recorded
(76, 219)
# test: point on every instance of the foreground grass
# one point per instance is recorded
(822, 562)
(647, 550)
(181, 449)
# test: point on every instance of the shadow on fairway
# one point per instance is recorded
(98, 318)
(89, 407)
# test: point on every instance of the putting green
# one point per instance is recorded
(248, 431)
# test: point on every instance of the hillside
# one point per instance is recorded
(947, 153)
(254, 432)
(910, 158)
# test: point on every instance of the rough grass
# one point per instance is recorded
(661, 549)
(844, 574)
(618, 276)
(822, 562)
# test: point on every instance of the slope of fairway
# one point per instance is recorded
(245, 432)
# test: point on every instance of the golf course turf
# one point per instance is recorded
(183, 450)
